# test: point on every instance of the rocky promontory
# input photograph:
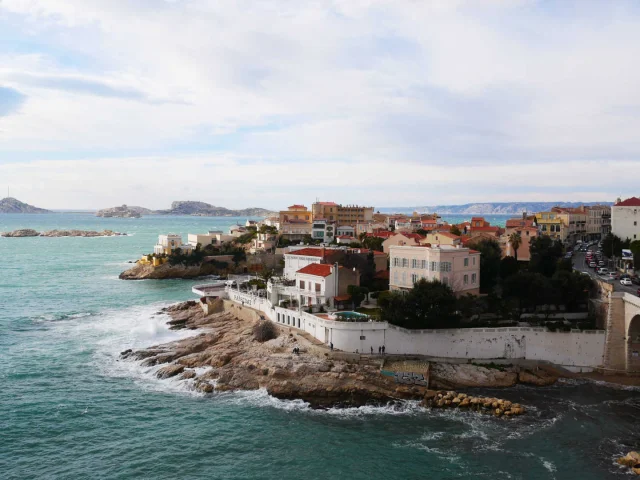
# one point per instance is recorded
(28, 232)
(13, 205)
(120, 212)
(165, 271)
(227, 356)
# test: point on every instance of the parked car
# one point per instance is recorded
(601, 263)
(602, 271)
(592, 264)
(635, 280)
(626, 281)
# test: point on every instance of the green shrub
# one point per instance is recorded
(265, 330)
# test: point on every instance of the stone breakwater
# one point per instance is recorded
(27, 232)
(142, 271)
(462, 401)
(226, 356)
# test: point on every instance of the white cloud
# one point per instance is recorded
(355, 91)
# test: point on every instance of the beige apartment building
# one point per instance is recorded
(455, 266)
(342, 214)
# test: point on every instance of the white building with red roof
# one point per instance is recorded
(625, 218)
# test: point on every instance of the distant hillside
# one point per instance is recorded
(207, 210)
(13, 205)
(505, 208)
(123, 211)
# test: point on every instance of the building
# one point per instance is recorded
(212, 237)
(625, 218)
(167, 244)
(264, 242)
(480, 227)
(322, 230)
(295, 222)
(342, 214)
(298, 258)
(527, 229)
(551, 225)
(272, 222)
(345, 239)
(458, 267)
(321, 284)
(441, 238)
(347, 230)
(575, 221)
(598, 221)
(401, 239)
(369, 227)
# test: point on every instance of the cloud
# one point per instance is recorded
(348, 89)
(10, 100)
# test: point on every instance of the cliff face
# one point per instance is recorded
(13, 205)
(503, 208)
(166, 271)
(118, 212)
(27, 232)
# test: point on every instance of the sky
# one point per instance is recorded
(268, 103)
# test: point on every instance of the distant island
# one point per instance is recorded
(501, 208)
(123, 212)
(13, 205)
(184, 207)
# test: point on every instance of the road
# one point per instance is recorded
(580, 264)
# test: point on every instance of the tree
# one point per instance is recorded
(612, 245)
(455, 230)
(508, 266)
(238, 255)
(571, 289)
(544, 253)
(429, 304)
(530, 289)
(373, 243)
(490, 255)
(635, 250)
(357, 294)
(515, 240)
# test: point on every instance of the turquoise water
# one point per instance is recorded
(70, 410)
(353, 315)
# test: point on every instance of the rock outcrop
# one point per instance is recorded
(142, 271)
(226, 356)
(207, 210)
(13, 205)
(120, 212)
(448, 375)
(27, 232)
(631, 460)
(491, 405)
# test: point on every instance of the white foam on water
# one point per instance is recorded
(548, 465)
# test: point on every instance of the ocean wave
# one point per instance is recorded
(50, 317)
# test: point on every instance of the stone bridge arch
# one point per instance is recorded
(622, 346)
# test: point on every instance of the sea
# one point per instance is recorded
(71, 409)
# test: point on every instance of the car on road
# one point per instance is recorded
(602, 271)
(626, 281)
(635, 280)
(601, 263)
(593, 264)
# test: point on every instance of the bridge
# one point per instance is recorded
(622, 346)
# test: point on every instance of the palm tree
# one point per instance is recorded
(515, 240)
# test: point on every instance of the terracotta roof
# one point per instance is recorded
(312, 252)
(485, 229)
(474, 251)
(342, 298)
(317, 269)
(629, 202)
(346, 237)
(328, 204)
(447, 234)
(297, 206)
(518, 222)
(417, 237)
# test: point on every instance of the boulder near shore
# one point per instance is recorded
(225, 355)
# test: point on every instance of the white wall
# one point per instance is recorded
(570, 349)
(622, 219)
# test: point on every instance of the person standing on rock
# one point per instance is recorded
(331, 346)
(371, 349)
(379, 350)
(382, 349)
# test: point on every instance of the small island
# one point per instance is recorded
(13, 205)
(28, 232)
(122, 212)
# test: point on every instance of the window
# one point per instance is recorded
(414, 263)
(395, 277)
(635, 223)
(474, 260)
(434, 266)
(423, 264)
(317, 288)
(301, 284)
(404, 278)
(473, 278)
(396, 262)
(445, 266)
(414, 278)
(405, 262)
(466, 262)
(466, 280)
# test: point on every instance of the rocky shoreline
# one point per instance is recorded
(28, 232)
(225, 356)
(142, 271)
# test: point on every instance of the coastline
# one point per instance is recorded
(223, 356)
